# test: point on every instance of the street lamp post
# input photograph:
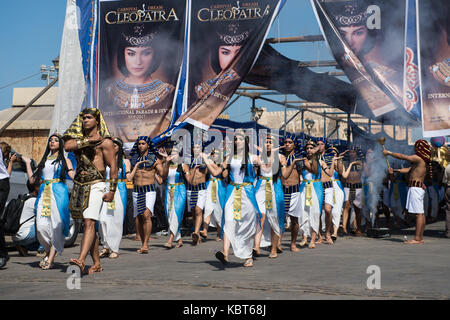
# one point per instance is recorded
(50, 72)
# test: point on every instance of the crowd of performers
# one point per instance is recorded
(251, 199)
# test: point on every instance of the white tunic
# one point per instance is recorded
(311, 214)
(111, 220)
(271, 222)
(240, 233)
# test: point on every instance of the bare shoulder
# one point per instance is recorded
(416, 158)
(106, 143)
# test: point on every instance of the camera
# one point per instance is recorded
(18, 155)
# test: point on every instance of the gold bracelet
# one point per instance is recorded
(82, 143)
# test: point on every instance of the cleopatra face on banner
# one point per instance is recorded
(366, 38)
(140, 56)
(225, 38)
(434, 41)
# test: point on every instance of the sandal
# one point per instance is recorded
(303, 242)
(113, 255)
(168, 245)
(94, 269)
(273, 255)
(195, 239)
(47, 266)
(221, 257)
(78, 263)
(248, 263)
(43, 261)
(203, 236)
(142, 251)
(104, 253)
(179, 245)
(255, 253)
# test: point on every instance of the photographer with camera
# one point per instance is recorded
(5, 173)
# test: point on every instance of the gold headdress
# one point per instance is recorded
(75, 130)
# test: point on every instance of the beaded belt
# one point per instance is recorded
(416, 184)
(237, 214)
(118, 180)
(197, 187)
(144, 189)
(353, 185)
(291, 189)
(327, 185)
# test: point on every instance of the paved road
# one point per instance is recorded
(326, 272)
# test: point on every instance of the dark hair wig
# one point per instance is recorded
(60, 159)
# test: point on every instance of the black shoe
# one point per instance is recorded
(220, 256)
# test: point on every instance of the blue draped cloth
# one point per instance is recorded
(179, 202)
(61, 193)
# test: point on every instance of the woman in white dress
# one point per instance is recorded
(113, 214)
(175, 199)
(270, 197)
(215, 194)
(241, 218)
(52, 202)
(311, 193)
(338, 191)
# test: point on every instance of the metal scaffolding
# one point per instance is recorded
(258, 92)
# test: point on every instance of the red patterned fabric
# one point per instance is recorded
(423, 150)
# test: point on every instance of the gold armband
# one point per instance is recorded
(113, 185)
(82, 143)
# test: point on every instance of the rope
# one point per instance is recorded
(12, 83)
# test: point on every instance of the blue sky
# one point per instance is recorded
(35, 40)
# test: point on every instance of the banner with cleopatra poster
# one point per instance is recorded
(433, 26)
(367, 39)
(140, 58)
(225, 38)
